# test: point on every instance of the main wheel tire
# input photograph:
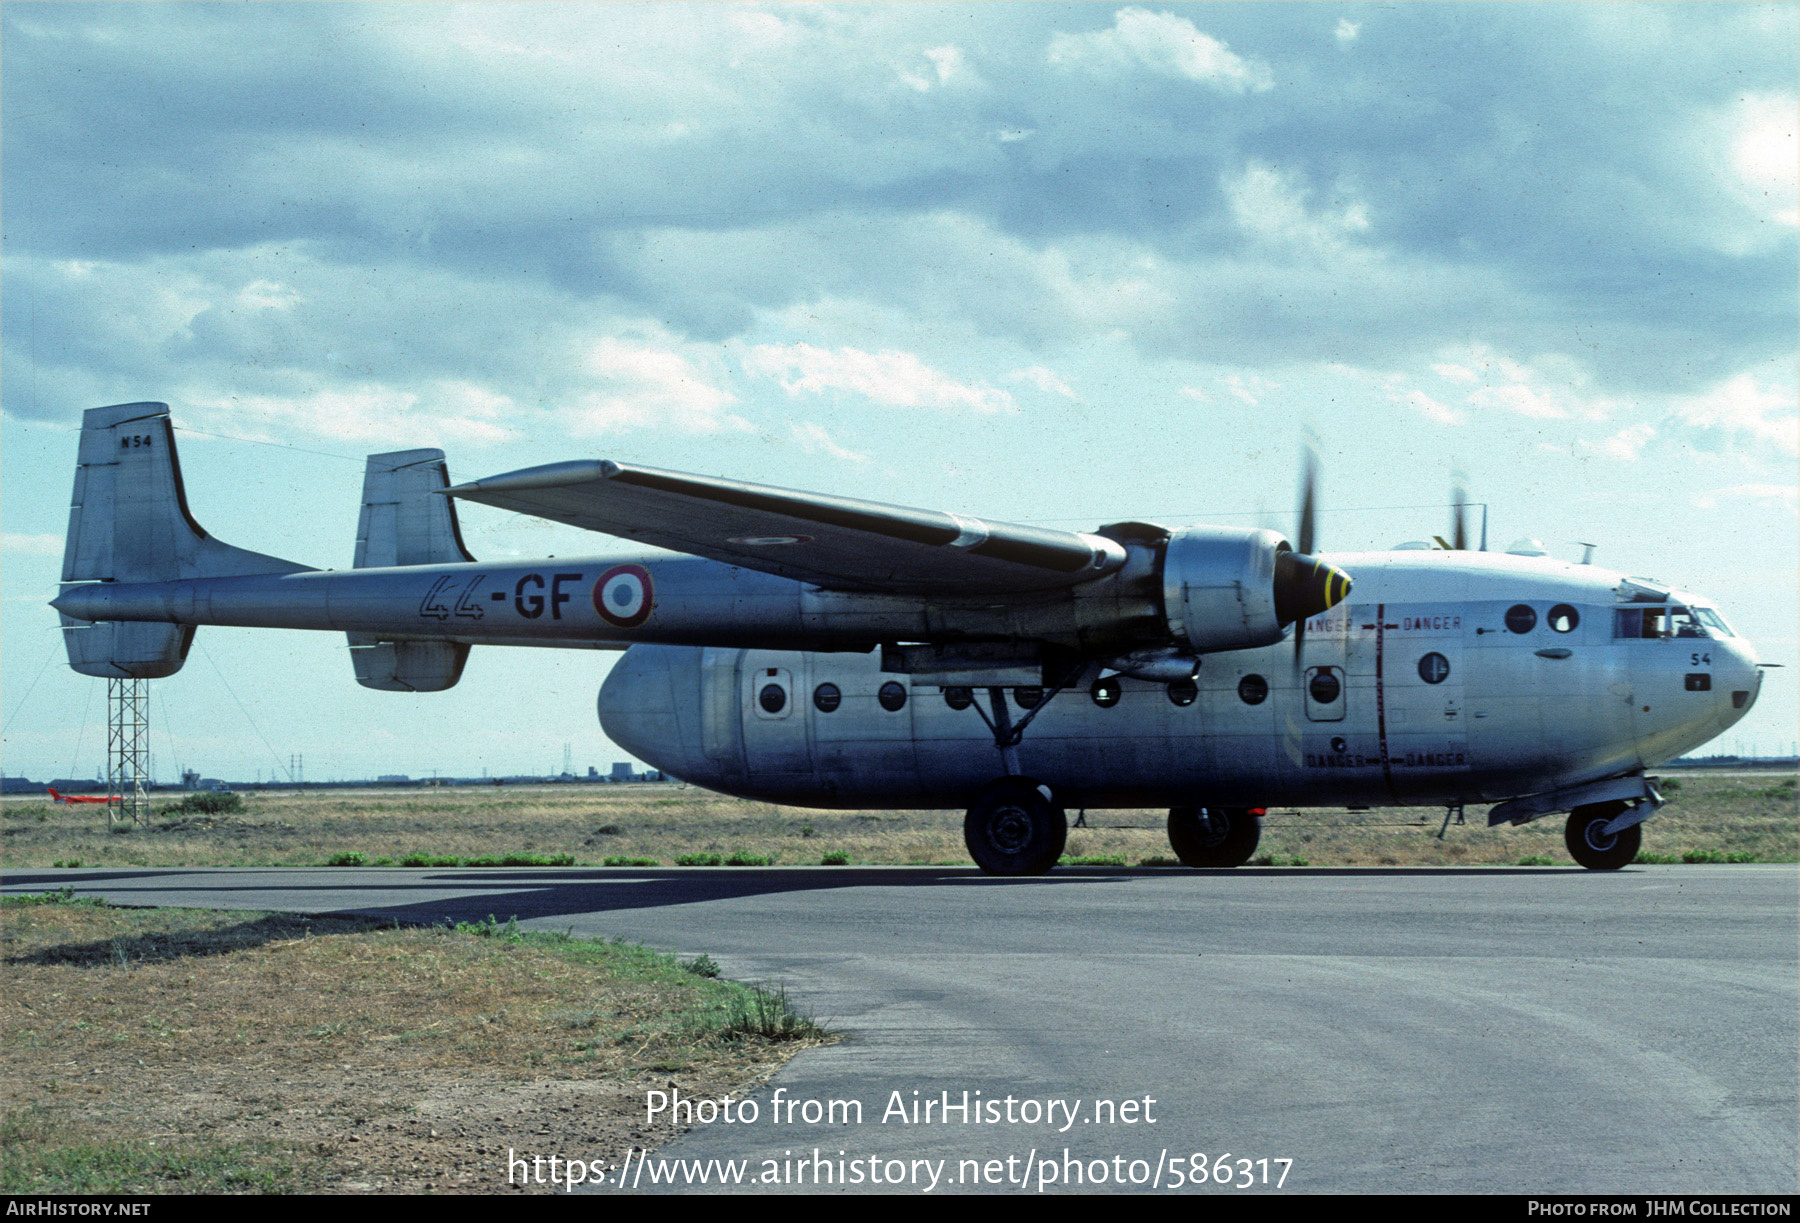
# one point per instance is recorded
(1230, 841)
(1014, 828)
(1594, 849)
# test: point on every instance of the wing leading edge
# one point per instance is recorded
(838, 542)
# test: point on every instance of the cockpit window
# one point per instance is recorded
(1682, 623)
(1631, 622)
(1651, 622)
(1714, 621)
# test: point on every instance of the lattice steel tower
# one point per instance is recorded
(128, 749)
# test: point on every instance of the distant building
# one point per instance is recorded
(395, 779)
(621, 771)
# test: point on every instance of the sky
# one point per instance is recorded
(1050, 263)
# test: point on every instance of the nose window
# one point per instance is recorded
(1713, 621)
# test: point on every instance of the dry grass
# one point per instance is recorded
(158, 1050)
(1753, 814)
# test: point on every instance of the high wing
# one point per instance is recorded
(837, 542)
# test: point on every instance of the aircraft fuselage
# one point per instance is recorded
(1449, 677)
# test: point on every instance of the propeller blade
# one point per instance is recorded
(1459, 501)
(1309, 479)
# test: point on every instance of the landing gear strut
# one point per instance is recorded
(1595, 848)
(1016, 826)
(1213, 836)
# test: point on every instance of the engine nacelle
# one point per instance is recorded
(1226, 588)
(1219, 588)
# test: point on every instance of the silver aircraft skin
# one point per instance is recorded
(824, 651)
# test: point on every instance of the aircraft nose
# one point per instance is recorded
(1740, 678)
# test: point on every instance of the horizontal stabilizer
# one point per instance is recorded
(837, 542)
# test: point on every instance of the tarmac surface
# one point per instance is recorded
(1412, 1030)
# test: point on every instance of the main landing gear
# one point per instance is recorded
(1016, 826)
(1595, 848)
(1214, 836)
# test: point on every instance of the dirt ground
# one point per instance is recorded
(167, 1050)
(1754, 814)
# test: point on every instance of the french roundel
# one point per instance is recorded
(624, 595)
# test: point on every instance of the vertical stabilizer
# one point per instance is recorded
(405, 521)
(129, 522)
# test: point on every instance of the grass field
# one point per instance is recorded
(1754, 817)
(150, 1050)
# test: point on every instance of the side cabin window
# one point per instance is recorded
(1653, 622)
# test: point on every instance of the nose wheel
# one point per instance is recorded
(1016, 828)
(1213, 836)
(1591, 845)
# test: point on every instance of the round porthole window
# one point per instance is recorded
(892, 696)
(1563, 618)
(1520, 618)
(1106, 692)
(1434, 668)
(959, 698)
(1253, 690)
(1028, 698)
(1324, 688)
(1184, 692)
(826, 698)
(772, 698)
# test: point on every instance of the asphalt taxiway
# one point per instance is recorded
(1387, 1030)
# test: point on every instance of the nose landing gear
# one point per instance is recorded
(1595, 848)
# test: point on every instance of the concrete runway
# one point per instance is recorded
(1387, 1030)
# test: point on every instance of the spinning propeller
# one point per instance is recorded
(1304, 584)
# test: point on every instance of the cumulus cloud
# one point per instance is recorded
(1162, 43)
(1270, 205)
(1744, 408)
(1623, 446)
(1765, 154)
(1347, 30)
(648, 386)
(814, 440)
(1044, 379)
(1430, 408)
(892, 378)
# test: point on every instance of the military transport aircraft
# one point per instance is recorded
(824, 651)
